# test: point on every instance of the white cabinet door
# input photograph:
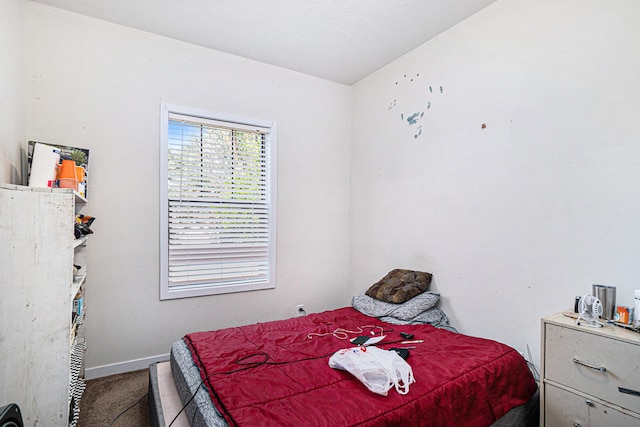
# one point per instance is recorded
(594, 364)
(563, 408)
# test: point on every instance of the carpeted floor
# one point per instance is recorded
(106, 398)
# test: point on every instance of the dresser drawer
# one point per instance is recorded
(594, 364)
(563, 408)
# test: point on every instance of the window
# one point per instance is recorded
(217, 196)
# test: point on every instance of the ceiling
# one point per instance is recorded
(337, 40)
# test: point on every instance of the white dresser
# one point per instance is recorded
(589, 376)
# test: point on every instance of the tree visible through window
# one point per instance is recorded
(219, 206)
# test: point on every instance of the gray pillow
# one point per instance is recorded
(405, 311)
(434, 317)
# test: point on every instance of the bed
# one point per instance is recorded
(277, 373)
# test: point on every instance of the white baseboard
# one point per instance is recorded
(119, 368)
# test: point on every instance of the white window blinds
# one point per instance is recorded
(219, 210)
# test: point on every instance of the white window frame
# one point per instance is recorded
(171, 292)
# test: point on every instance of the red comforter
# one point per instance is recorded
(273, 374)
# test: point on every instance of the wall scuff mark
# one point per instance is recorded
(411, 97)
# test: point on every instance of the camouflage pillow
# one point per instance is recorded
(400, 285)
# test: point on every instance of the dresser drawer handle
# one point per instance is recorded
(580, 362)
(629, 391)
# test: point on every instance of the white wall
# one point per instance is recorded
(11, 91)
(516, 219)
(99, 86)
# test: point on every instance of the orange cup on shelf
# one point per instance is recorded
(67, 176)
(80, 173)
(68, 169)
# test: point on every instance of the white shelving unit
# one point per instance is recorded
(41, 341)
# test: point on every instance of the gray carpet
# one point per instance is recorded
(106, 398)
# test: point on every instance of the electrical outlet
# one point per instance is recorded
(300, 310)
